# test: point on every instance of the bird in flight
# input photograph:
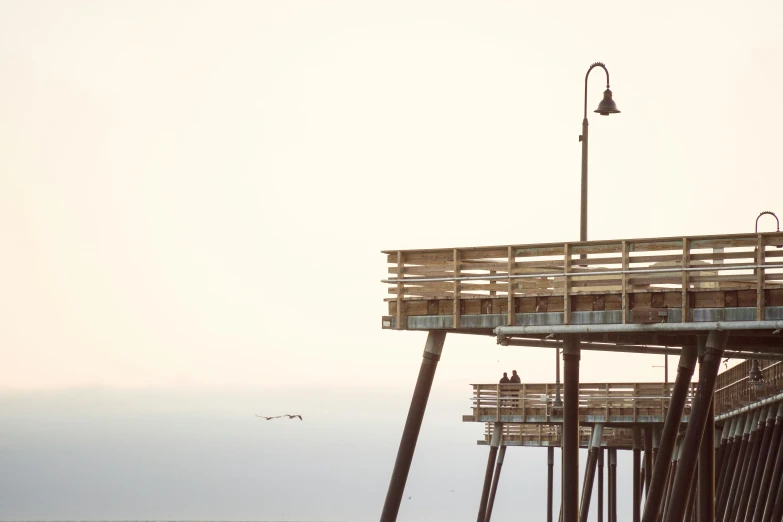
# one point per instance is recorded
(280, 417)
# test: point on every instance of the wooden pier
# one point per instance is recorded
(713, 450)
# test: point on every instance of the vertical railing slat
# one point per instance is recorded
(400, 291)
(686, 263)
(566, 284)
(511, 307)
(760, 298)
(457, 312)
(625, 282)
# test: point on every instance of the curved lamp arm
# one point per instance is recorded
(771, 214)
(602, 66)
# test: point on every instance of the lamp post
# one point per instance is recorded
(605, 108)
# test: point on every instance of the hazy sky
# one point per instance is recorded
(193, 197)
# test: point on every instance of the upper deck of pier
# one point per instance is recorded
(680, 280)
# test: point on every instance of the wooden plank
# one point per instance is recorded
(457, 312)
(400, 292)
(510, 292)
(649, 315)
(625, 253)
(775, 297)
(746, 298)
(709, 300)
(686, 263)
(760, 302)
(566, 284)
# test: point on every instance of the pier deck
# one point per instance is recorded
(635, 281)
(618, 404)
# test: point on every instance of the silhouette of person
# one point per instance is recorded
(514, 377)
(505, 379)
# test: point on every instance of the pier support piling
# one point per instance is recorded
(775, 485)
(410, 433)
(705, 510)
(612, 454)
(700, 410)
(637, 474)
(671, 427)
(742, 466)
(570, 476)
(550, 481)
(723, 453)
(592, 462)
(600, 507)
(763, 458)
(732, 457)
(769, 467)
(739, 512)
(493, 492)
(649, 462)
(493, 453)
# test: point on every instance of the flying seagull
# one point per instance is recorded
(280, 417)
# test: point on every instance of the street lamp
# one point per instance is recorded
(767, 212)
(605, 108)
(754, 376)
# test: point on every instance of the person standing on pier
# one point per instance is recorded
(514, 377)
(504, 379)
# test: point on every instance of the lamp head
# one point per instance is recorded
(754, 376)
(607, 105)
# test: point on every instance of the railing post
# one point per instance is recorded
(625, 305)
(760, 297)
(566, 284)
(686, 263)
(510, 289)
(400, 291)
(457, 311)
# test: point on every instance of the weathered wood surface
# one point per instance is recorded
(543, 435)
(609, 403)
(616, 403)
(734, 390)
(742, 270)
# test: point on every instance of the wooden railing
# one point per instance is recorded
(536, 402)
(734, 388)
(655, 273)
(551, 435)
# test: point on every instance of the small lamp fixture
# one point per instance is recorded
(607, 105)
(754, 376)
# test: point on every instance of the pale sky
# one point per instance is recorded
(194, 195)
